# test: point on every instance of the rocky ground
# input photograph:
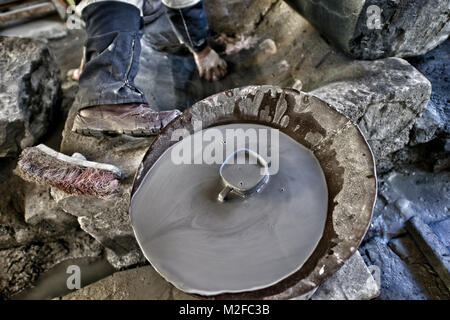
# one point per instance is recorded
(417, 186)
(400, 105)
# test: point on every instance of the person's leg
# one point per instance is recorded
(109, 101)
(151, 10)
(189, 22)
(188, 19)
(113, 46)
(159, 33)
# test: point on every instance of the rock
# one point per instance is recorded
(353, 281)
(430, 136)
(21, 266)
(142, 283)
(41, 209)
(378, 29)
(107, 221)
(427, 126)
(384, 98)
(434, 66)
(29, 90)
(68, 51)
(434, 125)
(131, 258)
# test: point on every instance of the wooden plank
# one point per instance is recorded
(27, 12)
(431, 246)
(6, 5)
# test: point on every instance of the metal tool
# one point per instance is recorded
(247, 183)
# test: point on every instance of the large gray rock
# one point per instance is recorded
(372, 29)
(428, 126)
(21, 266)
(353, 281)
(434, 65)
(433, 128)
(384, 98)
(29, 88)
(429, 144)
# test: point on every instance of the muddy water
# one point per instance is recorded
(207, 247)
(53, 283)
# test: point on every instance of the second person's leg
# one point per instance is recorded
(109, 101)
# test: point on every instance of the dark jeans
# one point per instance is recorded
(113, 47)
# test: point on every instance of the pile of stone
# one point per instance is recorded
(35, 233)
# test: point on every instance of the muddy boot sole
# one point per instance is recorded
(99, 133)
(95, 127)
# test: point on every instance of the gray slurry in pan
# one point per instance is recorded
(206, 247)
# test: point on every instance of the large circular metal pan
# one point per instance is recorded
(343, 154)
(206, 246)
